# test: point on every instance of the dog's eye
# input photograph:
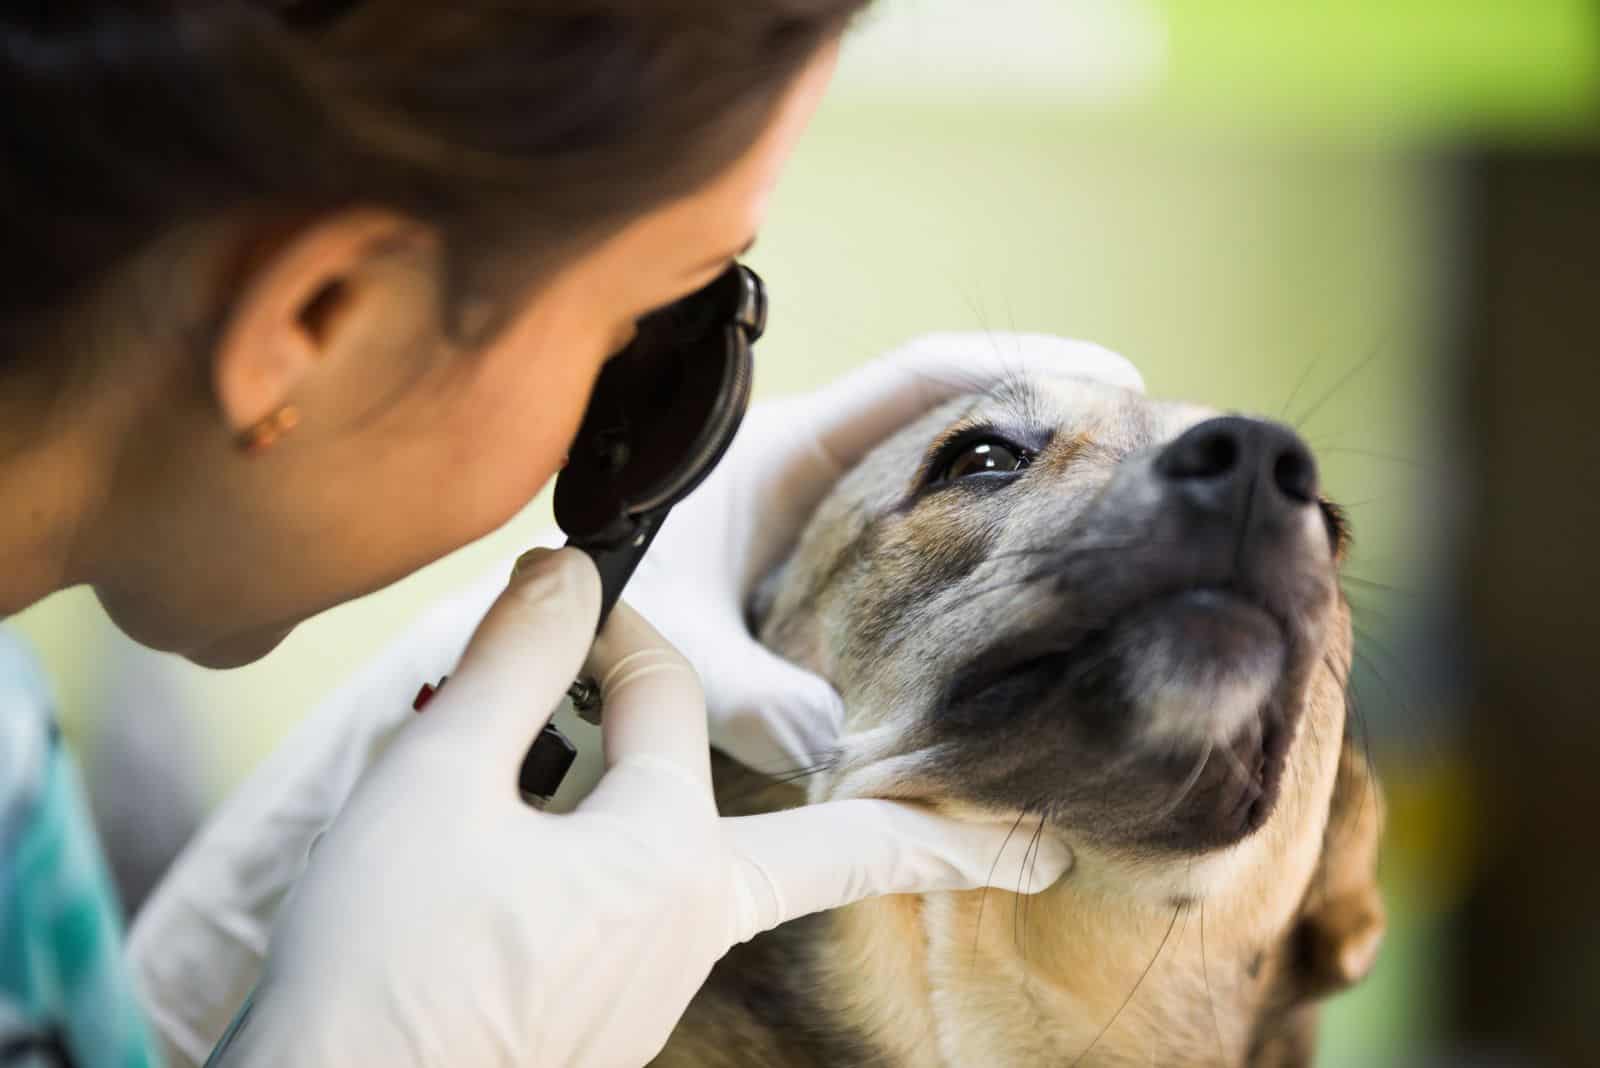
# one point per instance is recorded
(983, 458)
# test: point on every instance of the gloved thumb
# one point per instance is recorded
(825, 856)
(524, 654)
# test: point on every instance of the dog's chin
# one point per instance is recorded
(1198, 678)
(1168, 728)
(1195, 669)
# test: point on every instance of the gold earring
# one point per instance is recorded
(264, 434)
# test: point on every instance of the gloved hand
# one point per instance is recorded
(197, 945)
(696, 581)
(442, 921)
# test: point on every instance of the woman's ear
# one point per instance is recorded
(293, 308)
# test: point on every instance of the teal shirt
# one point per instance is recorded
(65, 995)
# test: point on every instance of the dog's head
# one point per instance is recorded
(1113, 620)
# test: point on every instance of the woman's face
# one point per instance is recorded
(398, 458)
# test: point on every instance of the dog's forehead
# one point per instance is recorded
(1117, 422)
(1115, 419)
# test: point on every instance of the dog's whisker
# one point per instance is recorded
(1386, 667)
(1303, 420)
(1349, 577)
(1298, 779)
(1341, 679)
(1031, 867)
(1058, 559)
(983, 895)
(1300, 383)
(787, 777)
(1137, 984)
(1356, 719)
(1018, 916)
(1368, 641)
(1189, 783)
(1353, 714)
(1211, 998)
(1235, 765)
(1364, 608)
(1066, 548)
(1373, 454)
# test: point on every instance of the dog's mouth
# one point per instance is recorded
(1211, 626)
(1250, 771)
(1170, 711)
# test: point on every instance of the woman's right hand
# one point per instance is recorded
(443, 921)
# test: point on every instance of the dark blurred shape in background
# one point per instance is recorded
(1528, 934)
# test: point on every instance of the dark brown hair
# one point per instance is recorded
(528, 125)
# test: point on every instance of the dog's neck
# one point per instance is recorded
(1087, 972)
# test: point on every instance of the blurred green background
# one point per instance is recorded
(1251, 200)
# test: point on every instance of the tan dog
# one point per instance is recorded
(1110, 620)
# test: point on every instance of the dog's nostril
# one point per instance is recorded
(1296, 474)
(1212, 463)
(1208, 451)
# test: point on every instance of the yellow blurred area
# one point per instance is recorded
(1430, 839)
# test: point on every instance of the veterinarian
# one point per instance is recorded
(301, 296)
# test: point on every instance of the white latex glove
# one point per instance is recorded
(696, 580)
(196, 947)
(443, 922)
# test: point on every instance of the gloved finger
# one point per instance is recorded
(523, 656)
(653, 705)
(863, 408)
(197, 946)
(768, 713)
(825, 856)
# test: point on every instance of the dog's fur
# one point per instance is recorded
(1077, 647)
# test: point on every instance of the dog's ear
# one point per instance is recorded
(1336, 937)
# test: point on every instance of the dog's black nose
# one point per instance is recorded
(1222, 465)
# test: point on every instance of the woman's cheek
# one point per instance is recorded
(527, 446)
(520, 412)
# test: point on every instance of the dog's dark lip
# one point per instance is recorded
(1264, 753)
(1261, 747)
(1044, 650)
(1062, 649)
(1225, 597)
